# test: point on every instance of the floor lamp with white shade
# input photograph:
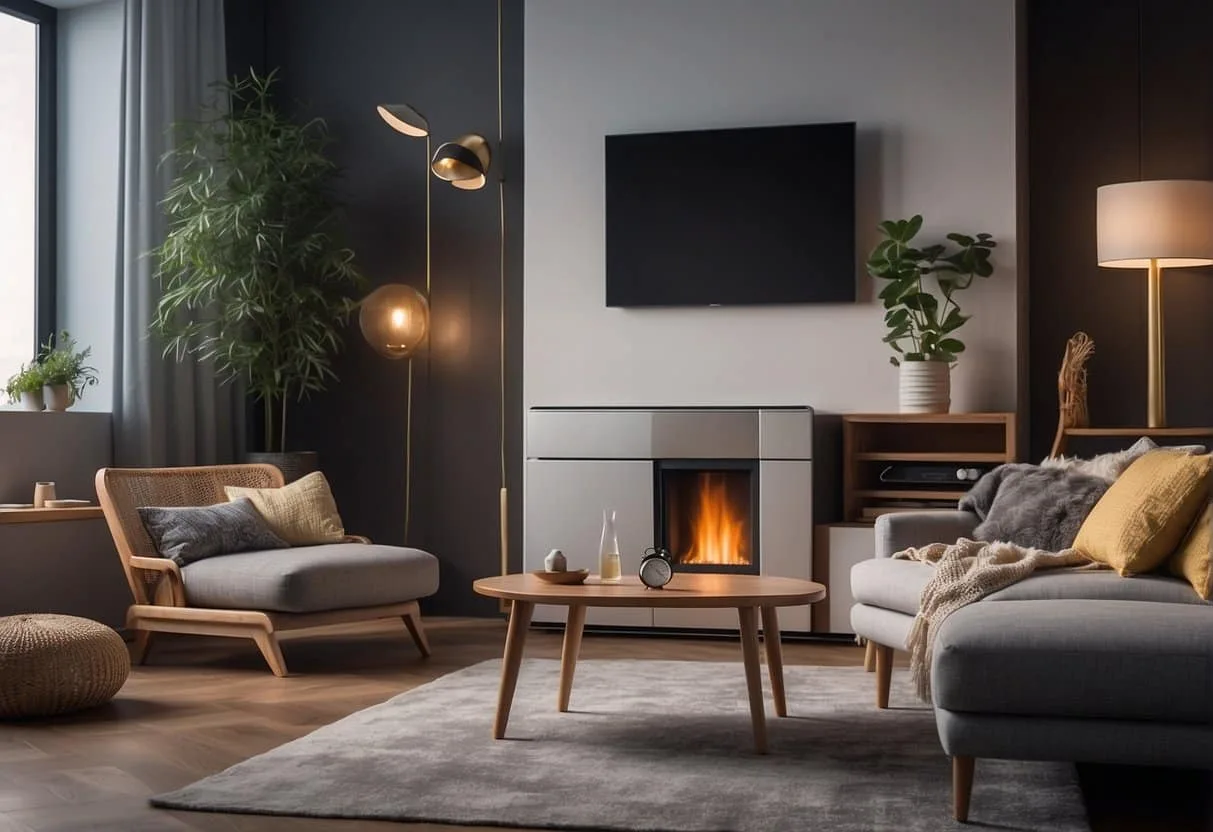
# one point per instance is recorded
(1152, 225)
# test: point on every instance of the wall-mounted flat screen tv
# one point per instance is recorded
(762, 215)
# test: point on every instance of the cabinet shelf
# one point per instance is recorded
(934, 439)
(929, 456)
(910, 493)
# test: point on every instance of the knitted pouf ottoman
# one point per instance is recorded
(52, 664)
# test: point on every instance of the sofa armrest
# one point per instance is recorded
(902, 530)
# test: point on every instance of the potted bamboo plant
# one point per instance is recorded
(922, 324)
(256, 278)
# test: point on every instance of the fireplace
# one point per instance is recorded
(706, 514)
(661, 469)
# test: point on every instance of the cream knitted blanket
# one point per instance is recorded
(967, 571)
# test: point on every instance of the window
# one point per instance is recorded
(26, 173)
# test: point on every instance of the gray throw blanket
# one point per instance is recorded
(1040, 508)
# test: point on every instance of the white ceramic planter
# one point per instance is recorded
(925, 387)
(58, 397)
(32, 400)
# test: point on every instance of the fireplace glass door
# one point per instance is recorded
(707, 514)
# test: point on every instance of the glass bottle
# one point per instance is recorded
(609, 567)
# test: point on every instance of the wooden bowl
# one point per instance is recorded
(572, 576)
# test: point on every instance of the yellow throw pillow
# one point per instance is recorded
(301, 513)
(1191, 559)
(1143, 516)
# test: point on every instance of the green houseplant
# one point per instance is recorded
(25, 387)
(921, 310)
(255, 277)
(64, 371)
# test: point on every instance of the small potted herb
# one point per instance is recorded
(25, 387)
(64, 373)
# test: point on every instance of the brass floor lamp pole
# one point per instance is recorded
(1156, 380)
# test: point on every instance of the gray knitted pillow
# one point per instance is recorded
(191, 533)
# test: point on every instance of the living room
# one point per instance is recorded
(481, 414)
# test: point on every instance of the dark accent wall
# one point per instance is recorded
(338, 60)
(1118, 90)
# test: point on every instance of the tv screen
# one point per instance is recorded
(724, 217)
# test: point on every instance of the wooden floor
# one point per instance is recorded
(201, 705)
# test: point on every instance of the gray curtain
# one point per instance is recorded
(165, 413)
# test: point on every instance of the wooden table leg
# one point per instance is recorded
(568, 654)
(520, 620)
(748, 618)
(770, 638)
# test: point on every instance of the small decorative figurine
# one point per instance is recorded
(555, 561)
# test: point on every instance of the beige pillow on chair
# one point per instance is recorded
(302, 513)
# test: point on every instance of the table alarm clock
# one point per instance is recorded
(656, 568)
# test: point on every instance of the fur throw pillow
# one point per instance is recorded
(1031, 505)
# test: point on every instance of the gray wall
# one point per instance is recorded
(67, 567)
(90, 115)
(338, 60)
(932, 87)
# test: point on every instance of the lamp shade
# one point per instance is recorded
(394, 320)
(404, 119)
(463, 162)
(1166, 220)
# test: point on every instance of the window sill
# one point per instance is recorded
(48, 515)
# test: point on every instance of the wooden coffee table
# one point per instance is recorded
(747, 593)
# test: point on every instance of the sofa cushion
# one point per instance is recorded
(312, 578)
(1145, 514)
(1191, 560)
(890, 583)
(897, 584)
(1090, 659)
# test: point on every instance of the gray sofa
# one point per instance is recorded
(1067, 665)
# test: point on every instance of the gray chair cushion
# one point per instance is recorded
(897, 584)
(1089, 659)
(334, 576)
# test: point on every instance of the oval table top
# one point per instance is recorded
(686, 590)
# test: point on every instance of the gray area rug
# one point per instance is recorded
(649, 745)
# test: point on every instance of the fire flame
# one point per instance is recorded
(718, 533)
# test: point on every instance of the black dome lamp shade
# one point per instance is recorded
(404, 119)
(463, 162)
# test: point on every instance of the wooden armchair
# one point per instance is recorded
(161, 603)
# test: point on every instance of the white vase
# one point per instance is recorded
(924, 387)
(58, 397)
(32, 400)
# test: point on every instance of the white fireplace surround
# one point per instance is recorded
(582, 460)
